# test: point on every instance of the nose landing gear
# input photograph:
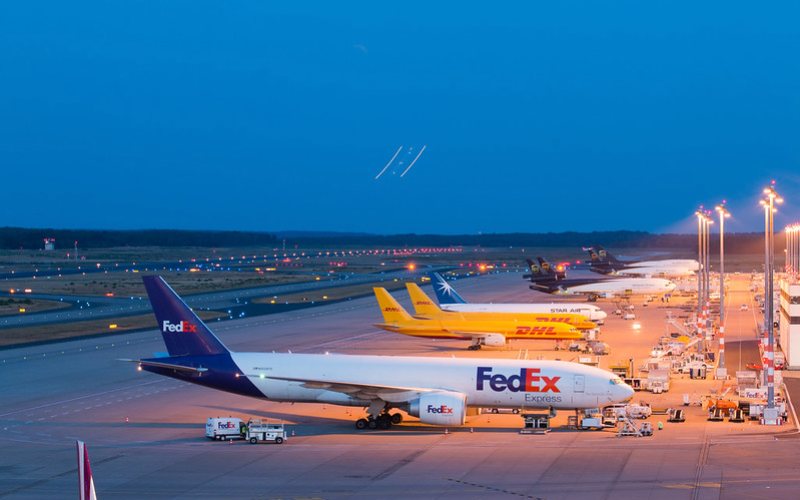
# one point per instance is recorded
(477, 343)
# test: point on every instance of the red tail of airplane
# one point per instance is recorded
(85, 481)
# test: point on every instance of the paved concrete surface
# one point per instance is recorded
(145, 433)
(88, 308)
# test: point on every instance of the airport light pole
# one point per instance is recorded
(704, 222)
(787, 231)
(795, 264)
(791, 236)
(765, 204)
(707, 297)
(771, 198)
(796, 250)
(723, 214)
(790, 247)
(701, 263)
(792, 233)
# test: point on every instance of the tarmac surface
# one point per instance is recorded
(145, 433)
(85, 308)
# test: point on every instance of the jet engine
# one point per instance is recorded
(440, 408)
(494, 340)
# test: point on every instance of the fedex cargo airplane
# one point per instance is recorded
(450, 300)
(601, 261)
(439, 391)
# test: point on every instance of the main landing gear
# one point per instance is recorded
(379, 417)
(383, 421)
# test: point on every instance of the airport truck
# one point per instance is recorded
(224, 428)
(260, 432)
(658, 381)
(593, 419)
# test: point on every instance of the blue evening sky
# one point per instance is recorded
(537, 116)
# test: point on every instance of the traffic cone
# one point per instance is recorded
(446, 431)
(126, 420)
(471, 430)
(292, 432)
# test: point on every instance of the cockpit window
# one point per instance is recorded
(615, 381)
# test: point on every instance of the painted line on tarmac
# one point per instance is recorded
(348, 339)
(82, 397)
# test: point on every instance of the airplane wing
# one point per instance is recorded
(390, 393)
(170, 366)
(468, 334)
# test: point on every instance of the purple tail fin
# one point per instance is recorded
(184, 332)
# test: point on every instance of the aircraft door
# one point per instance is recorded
(578, 384)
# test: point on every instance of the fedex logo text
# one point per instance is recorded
(226, 425)
(443, 409)
(535, 330)
(528, 380)
(182, 327)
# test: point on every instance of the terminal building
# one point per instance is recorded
(789, 321)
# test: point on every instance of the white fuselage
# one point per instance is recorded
(484, 382)
(623, 286)
(668, 271)
(590, 312)
(688, 264)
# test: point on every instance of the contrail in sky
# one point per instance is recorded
(390, 162)
(415, 160)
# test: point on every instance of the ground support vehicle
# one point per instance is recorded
(676, 416)
(224, 428)
(259, 432)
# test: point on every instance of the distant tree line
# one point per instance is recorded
(734, 242)
(15, 237)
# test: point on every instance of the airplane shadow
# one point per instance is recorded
(311, 425)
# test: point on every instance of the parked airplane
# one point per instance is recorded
(440, 391)
(603, 286)
(450, 300)
(603, 262)
(622, 287)
(426, 308)
(488, 332)
(543, 271)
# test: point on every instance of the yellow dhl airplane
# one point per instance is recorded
(491, 332)
(425, 307)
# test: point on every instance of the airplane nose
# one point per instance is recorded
(627, 392)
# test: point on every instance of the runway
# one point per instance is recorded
(96, 307)
(145, 433)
